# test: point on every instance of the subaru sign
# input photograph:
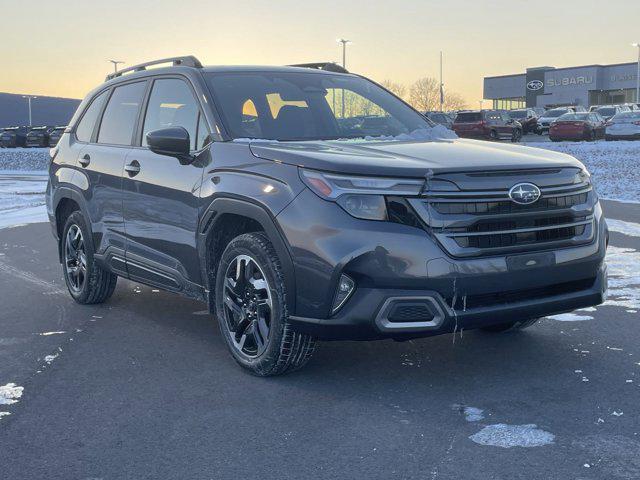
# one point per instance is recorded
(535, 85)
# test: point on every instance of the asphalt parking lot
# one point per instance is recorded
(142, 387)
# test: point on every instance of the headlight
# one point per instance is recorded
(360, 197)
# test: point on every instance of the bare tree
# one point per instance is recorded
(453, 101)
(424, 95)
(397, 89)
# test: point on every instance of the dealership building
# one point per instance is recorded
(553, 87)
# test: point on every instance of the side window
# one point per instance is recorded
(88, 121)
(119, 119)
(203, 138)
(171, 104)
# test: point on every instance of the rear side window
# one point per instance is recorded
(119, 119)
(88, 121)
(468, 117)
(171, 104)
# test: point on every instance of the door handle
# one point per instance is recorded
(132, 168)
(85, 160)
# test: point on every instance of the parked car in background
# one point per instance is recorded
(544, 122)
(527, 117)
(14, 137)
(577, 126)
(624, 126)
(487, 124)
(55, 134)
(610, 111)
(38, 137)
(539, 111)
(440, 118)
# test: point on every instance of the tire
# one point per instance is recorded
(510, 326)
(493, 135)
(517, 135)
(88, 283)
(252, 312)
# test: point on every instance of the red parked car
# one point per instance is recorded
(578, 126)
(489, 124)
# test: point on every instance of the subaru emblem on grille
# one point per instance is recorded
(524, 193)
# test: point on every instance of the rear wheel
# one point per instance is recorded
(252, 312)
(516, 136)
(493, 134)
(510, 326)
(88, 283)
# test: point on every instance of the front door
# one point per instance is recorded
(161, 196)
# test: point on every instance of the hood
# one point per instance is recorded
(410, 159)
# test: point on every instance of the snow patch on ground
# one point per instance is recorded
(613, 165)
(473, 414)
(46, 334)
(624, 277)
(508, 436)
(570, 317)
(4, 414)
(10, 393)
(626, 228)
(22, 198)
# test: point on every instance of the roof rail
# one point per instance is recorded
(188, 61)
(327, 66)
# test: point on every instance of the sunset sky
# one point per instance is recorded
(63, 50)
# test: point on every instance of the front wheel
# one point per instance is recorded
(516, 136)
(510, 326)
(252, 312)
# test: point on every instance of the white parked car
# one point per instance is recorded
(550, 116)
(624, 126)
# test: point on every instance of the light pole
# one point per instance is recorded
(344, 42)
(441, 85)
(115, 64)
(637, 45)
(29, 98)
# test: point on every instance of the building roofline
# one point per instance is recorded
(553, 70)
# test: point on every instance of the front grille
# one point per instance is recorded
(515, 296)
(476, 223)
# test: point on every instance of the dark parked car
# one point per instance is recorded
(54, 135)
(38, 137)
(527, 118)
(577, 126)
(487, 124)
(236, 186)
(440, 118)
(14, 137)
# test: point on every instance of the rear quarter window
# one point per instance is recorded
(468, 117)
(85, 127)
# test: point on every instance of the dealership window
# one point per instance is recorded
(509, 103)
(612, 97)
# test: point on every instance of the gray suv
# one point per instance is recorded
(264, 192)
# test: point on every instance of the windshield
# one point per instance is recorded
(309, 106)
(555, 113)
(518, 114)
(607, 111)
(573, 117)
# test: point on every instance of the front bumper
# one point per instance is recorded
(393, 264)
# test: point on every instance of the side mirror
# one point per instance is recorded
(173, 142)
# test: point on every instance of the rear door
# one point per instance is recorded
(161, 196)
(101, 161)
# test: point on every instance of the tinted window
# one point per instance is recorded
(309, 106)
(555, 113)
(468, 117)
(88, 121)
(171, 104)
(119, 119)
(518, 114)
(607, 111)
(203, 137)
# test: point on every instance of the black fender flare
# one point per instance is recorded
(67, 193)
(246, 208)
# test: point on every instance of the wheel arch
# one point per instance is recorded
(224, 219)
(66, 200)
